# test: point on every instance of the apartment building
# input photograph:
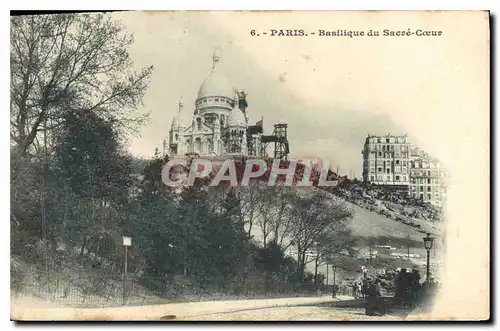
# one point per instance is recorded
(386, 160)
(392, 161)
(426, 177)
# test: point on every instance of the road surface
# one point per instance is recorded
(308, 313)
(287, 309)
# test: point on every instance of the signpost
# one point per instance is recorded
(127, 241)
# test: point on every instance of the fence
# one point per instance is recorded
(100, 292)
(64, 293)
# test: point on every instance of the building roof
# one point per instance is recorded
(236, 118)
(216, 85)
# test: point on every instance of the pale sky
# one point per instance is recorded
(332, 91)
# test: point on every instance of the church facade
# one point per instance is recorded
(218, 123)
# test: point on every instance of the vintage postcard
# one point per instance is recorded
(222, 166)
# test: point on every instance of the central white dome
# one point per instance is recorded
(215, 85)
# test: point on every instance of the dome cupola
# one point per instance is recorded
(215, 91)
(236, 118)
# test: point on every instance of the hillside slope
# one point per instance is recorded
(367, 223)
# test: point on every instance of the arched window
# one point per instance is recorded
(198, 123)
(197, 145)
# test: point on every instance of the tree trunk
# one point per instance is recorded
(83, 245)
(302, 265)
(316, 270)
(264, 234)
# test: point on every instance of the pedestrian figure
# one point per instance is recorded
(355, 290)
(335, 291)
(414, 288)
(375, 304)
(365, 286)
(401, 295)
(319, 290)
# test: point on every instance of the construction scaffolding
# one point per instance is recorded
(258, 142)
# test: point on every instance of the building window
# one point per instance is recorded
(428, 188)
(379, 153)
(428, 173)
(397, 161)
(429, 196)
(421, 188)
(197, 145)
(397, 177)
(428, 180)
(404, 178)
(372, 178)
(414, 180)
(379, 169)
(388, 171)
(387, 140)
(404, 163)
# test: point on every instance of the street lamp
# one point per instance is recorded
(428, 241)
(334, 269)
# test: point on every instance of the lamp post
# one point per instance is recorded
(127, 241)
(334, 269)
(428, 241)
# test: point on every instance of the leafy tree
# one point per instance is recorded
(70, 62)
(89, 156)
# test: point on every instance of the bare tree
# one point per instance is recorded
(251, 204)
(315, 214)
(266, 213)
(70, 62)
(281, 220)
(337, 241)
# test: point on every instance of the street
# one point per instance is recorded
(294, 314)
(288, 309)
